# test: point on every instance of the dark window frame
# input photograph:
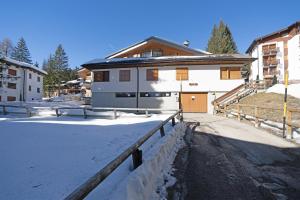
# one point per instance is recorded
(155, 94)
(12, 85)
(125, 94)
(101, 78)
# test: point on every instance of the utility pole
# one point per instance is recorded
(286, 81)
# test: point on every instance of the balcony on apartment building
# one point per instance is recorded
(269, 50)
(270, 72)
(271, 63)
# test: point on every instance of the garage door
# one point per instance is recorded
(194, 102)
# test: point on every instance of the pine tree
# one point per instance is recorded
(6, 47)
(221, 40)
(21, 52)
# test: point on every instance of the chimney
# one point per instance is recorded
(186, 43)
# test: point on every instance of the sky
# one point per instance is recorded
(90, 29)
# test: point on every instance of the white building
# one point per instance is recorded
(20, 81)
(156, 73)
(276, 53)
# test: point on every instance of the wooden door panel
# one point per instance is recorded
(194, 102)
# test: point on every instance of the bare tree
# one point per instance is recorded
(6, 47)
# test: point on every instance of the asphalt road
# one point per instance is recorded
(226, 159)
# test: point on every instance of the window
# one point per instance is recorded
(0, 84)
(124, 75)
(38, 79)
(125, 94)
(11, 98)
(152, 53)
(102, 76)
(12, 72)
(227, 73)
(38, 90)
(152, 74)
(146, 54)
(29, 75)
(155, 94)
(11, 85)
(157, 53)
(182, 74)
(29, 88)
(0, 98)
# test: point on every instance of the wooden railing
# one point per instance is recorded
(228, 94)
(87, 187)
(255, 112)
(5, 111)
(58, 110)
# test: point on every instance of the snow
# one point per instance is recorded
(149, 181)
(23, 64)
(293, 89)
(48, 157)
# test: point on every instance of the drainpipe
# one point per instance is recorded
(24, 76)
(137, 87)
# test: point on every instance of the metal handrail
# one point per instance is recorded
(83, 190)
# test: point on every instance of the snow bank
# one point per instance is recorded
(293, 89)
(150, 179)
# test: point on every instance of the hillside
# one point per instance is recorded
(270, 100)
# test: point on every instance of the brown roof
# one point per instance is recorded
(279, 33)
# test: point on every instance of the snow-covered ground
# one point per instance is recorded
(48, 157)
(293, 89)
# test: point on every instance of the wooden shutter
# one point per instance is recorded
(224, 73)
(234, 73)
(12, 72)
(124, 75)
(11, 98)
(152, 74)
(182, 74)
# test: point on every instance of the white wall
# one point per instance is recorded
(294, 58)
(22, 84)
(207, 79)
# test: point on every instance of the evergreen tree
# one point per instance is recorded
(6, 47)
(21, 52)
(221, 40)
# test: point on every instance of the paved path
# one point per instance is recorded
(226, 159)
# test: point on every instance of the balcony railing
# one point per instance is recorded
(270, 51)
(271, 63)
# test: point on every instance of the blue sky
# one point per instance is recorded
(90, 29)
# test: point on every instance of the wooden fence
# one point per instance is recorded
(256, 112)
(83, 190)
(58, 110)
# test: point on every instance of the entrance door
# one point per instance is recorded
(194, 102)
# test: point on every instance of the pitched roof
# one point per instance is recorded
(22, 64)
(279, 32)
(166, 60)
(160, 40)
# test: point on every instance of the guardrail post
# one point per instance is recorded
(28, 112)
(56, 111)
(137, 158)
(257, 124)
(115, 114)
(238, 112)
(4, 110)
(146, 112)
(225, 111)
(289, 123)
(173, 121)
(162, 131)
(84, 113)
